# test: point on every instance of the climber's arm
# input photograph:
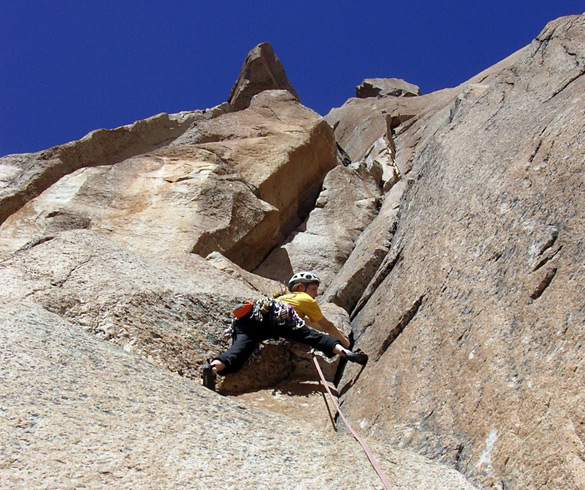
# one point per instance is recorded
(330, 329)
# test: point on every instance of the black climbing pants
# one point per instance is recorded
(248, 333)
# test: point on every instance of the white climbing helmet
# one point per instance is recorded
(304, 277)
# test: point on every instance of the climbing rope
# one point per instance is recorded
(364, 446)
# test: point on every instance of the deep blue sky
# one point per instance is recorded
(67, 68)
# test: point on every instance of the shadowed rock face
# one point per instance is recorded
(451, 236)
(172, 316)
(348, 202)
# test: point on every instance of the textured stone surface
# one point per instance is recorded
(281, 148)
(384, 87)
(357, 276)
(265, 286)
(234, 184)
(261, 70)
(455, 230)
(476, 322)
(166, 203)
(347, 204)
(360, 122)
(174, 315)
(25, 176)
(173, 318)
(79, 412)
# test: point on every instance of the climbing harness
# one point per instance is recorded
(277, 312)
(364, 446)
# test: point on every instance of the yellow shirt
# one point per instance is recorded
(304, 305)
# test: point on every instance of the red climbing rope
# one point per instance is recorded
(371, 457)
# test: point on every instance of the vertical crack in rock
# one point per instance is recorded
(387, 265)
(538, 146)
(402, 323)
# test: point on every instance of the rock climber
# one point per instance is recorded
(283, 316)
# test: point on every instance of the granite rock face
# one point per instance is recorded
(365, 263)
(282, 149)
(25, 176)
(384, 87)
(173, 317)
(261, 71)
(348, 202)
(79, 412)
(235, 183)
(448, 229)
(474, 325)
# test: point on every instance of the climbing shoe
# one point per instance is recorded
(357, 356)
(208, 376)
